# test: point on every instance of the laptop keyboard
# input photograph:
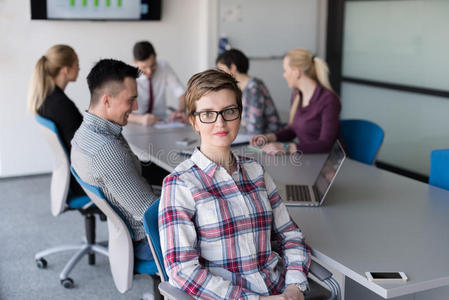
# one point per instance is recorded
(298, 193)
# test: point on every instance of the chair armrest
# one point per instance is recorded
(319, 271)
(173, 293)
(157, 189)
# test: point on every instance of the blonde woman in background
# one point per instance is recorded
(46, 97)
(315, 110)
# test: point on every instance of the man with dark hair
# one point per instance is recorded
(102, 157)
(156, 80)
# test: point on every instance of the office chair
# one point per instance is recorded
(150, 221)
(439, 164)
(61, 202)
(121, 249)
(362, 139)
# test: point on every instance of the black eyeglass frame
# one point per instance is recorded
(198, 113)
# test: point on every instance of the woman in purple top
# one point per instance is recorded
(259, 113)
(315, 109)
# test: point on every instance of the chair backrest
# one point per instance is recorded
(150, 222)
(120, 245)
(60, 179)
(439, 165)
(362, 139)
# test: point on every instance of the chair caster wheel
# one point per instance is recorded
(67, 283)
(41, 263)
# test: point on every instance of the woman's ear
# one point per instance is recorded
(298, 73)
(64, 71)
(193, 123)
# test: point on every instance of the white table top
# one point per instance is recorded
(372, 220)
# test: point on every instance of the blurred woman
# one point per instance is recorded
(259, 113)
(46, 97)
(315, 110)
(219, 212)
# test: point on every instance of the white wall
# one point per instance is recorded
(181, 37)
(187, 37)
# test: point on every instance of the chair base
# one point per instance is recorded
(82, 249)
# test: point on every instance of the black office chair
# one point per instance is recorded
(61, 201)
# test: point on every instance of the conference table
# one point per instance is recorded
(371, 219)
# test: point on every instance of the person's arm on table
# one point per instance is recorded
(180, 114)
(295, 252)
(144, 119)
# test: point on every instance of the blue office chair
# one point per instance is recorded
(362, 139)
(121, 249)
(150, 221)
(439, 165)
(61, 202)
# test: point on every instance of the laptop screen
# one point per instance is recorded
(329, 170)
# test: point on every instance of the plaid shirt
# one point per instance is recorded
(216, 232)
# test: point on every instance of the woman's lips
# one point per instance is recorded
(221, 133)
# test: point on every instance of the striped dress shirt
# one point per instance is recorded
(217, 230)
(101, 156)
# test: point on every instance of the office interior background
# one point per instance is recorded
(388, 61)
(400, 45)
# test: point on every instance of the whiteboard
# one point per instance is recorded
(269, 28)
(401, 42)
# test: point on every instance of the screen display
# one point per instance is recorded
(386, 275)
(125, 10)
(328, 171)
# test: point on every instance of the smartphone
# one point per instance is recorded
(386, 276)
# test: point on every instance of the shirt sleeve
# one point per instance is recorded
(179, 243)
(255, 121)
(286, 134)
(121, 177)
(173, 82)
(295, 253)
(330, 127)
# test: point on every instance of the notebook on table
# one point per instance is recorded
(313, 195)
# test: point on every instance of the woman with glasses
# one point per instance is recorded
(315, 110)
(259, 113)
(219, 212)
(46, 97)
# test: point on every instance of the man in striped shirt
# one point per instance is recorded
(102, 157)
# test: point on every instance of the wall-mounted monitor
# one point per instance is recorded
(102, 10)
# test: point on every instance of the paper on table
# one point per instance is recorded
(162, 125)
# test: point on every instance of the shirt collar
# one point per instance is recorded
(102, 125)
(206, 165)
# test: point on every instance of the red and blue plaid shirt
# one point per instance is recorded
(217, 230)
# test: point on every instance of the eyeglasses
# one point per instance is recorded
(210, 116)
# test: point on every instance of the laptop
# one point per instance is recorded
(313, 195)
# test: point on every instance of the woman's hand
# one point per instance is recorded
(260, 140)
(275, 297)
(274, 148)
(293, 293)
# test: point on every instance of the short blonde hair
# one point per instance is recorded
(212, 80)
(312, 66)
